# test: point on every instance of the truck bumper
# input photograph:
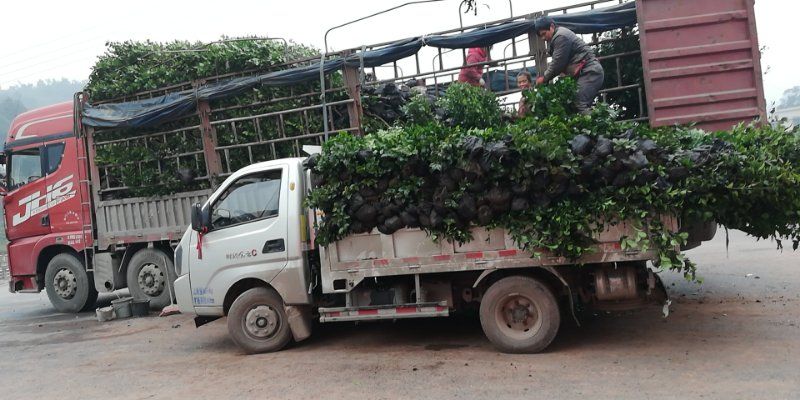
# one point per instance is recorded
(23, 284)
(183, 293)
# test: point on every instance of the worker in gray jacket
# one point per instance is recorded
(572, 57)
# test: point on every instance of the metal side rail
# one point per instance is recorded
(394, 311)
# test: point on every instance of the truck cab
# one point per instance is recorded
(44, 214)
(250, 237)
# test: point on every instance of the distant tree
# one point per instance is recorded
(790, 98)
(18, 99)
(43, 92)
(9, 108)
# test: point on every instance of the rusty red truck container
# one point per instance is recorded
(702, 62)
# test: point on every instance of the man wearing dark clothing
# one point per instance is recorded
(572, 57)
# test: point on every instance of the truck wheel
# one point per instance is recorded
(519, 315)
(149, 273)
(257, 321)
(69, 286)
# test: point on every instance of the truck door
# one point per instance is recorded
(247, 237)
(64, 204)
(26, 201)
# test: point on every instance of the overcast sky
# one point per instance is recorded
(49, 39)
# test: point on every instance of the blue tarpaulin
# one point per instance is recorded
(482, 37)
(138, 113)
(384, 55)
(599, 20)
(498, 79)
(150, 112)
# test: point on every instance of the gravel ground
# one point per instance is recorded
(736, 336)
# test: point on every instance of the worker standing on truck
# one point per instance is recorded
(473, 74)
(571, 57)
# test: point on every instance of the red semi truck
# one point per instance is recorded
(73, 231)
(47, 211)
(51, 221)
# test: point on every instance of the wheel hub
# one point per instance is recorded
(519, 314)
(65, 283)
(151, 280)
(261, 321)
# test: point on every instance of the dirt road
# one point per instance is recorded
(737, 336)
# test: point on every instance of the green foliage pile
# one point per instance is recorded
(550, 100)
(419, 110)
(386, 105)
(466, 105)
(130, 67)
(554, 180)
(151, 166)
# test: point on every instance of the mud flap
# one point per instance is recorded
(299, 321)
(201, 320)
(107, 273)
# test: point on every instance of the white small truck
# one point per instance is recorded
(250, 256)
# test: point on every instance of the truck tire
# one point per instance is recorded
(69, 286)
(519, 315)
(257, 321)
(149, 273)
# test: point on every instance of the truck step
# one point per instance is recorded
(395, 311)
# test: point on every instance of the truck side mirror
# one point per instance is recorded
(200, 217)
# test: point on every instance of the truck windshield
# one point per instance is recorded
(26, 166)
(250, 198)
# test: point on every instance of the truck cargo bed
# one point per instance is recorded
(411, 251)
(146, 218)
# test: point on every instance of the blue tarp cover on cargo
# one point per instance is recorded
(498, 79)
(150, 112)
(599, 20)
(482, 37)
(393, 52)
(140, 113)
(143, 113)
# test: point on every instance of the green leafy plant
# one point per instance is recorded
(469, 106)
(419, 110)
(130, 67)
(142, 163)
(553, 181)
(552, 99)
